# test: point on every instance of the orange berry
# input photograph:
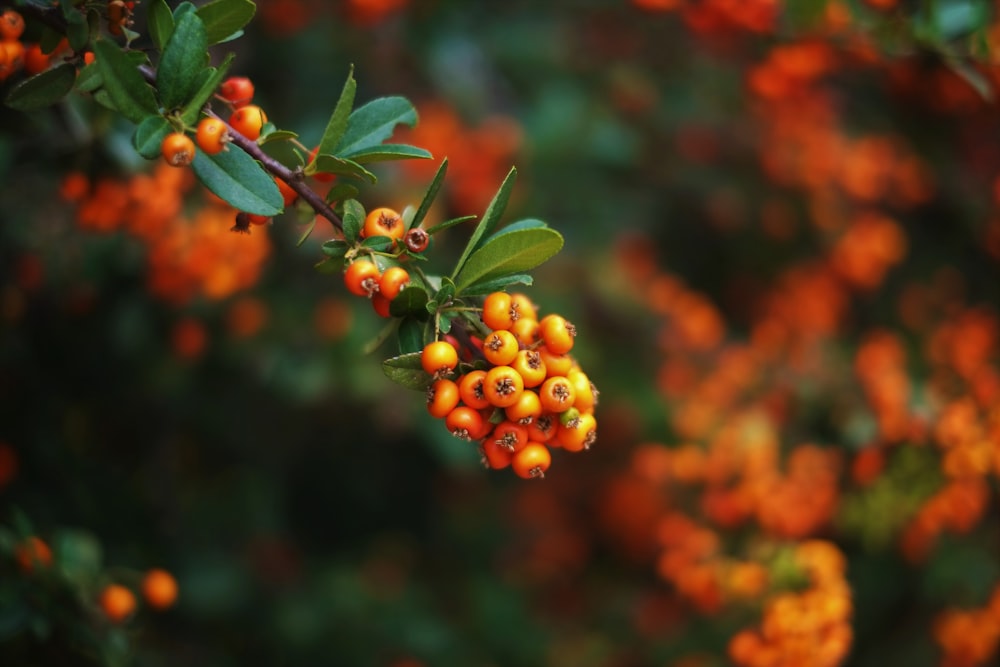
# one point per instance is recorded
(212, 135)
(159, 588)
(494, 455)
(527, 408)
(442, 398)
(237, 90)
(361, 278)
(35, 62)
(439, 358)
(532, 461)
(383, 222)
(11, 25)
(529, 364)
(524, 306)
(556, 394)
(288, 195)
(393, 280)
(381, 305)
(578, 434)
(557, 333)
(465, 423)
(555, 364)
(500, 348)
(472, 391)
(511, 436)
(177, 149)
(248, 121)
(525, 329)
(503, 386)
(118, 602)
(498, 312)
(586, 393)
(543, 427)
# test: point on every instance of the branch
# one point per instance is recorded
(290, 176)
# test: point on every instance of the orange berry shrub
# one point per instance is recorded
(498, 373)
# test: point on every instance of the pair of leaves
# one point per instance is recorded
(353, 138)
(493, 260)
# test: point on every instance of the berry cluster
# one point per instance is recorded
(212, 134)
(517, 391)
(17, 55)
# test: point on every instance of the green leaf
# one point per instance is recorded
(308, 230)
(373, 123)
(43, 89)
(497, 284)
(183, 59)
(183, 9)
(89, 79)
(441, 226)
(353, 219)
(77, 29)
(335, 248)
(329, 265)
(489, 221)
(49, 41)
(224, 18)
(428, 200)
(410, 335)
(411, 301)
(149, 135)
(208, 80)
(377, 243)
(237, 178)
(79, 555)
(406, 370)
(275, 135)
(161, 22)
(341, 191)
(509, 253)
(385, 152)
(337, 124)
(130, 93)
(284, 152)
(327, 164)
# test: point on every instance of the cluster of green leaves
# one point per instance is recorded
(165, 88)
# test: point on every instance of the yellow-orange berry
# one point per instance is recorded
(500, 348)
(383, 222)
(248, 121)
(439, 358)
(212, 135)
(532, 461)
(117, 601)
(159, 589)
(177, 149)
